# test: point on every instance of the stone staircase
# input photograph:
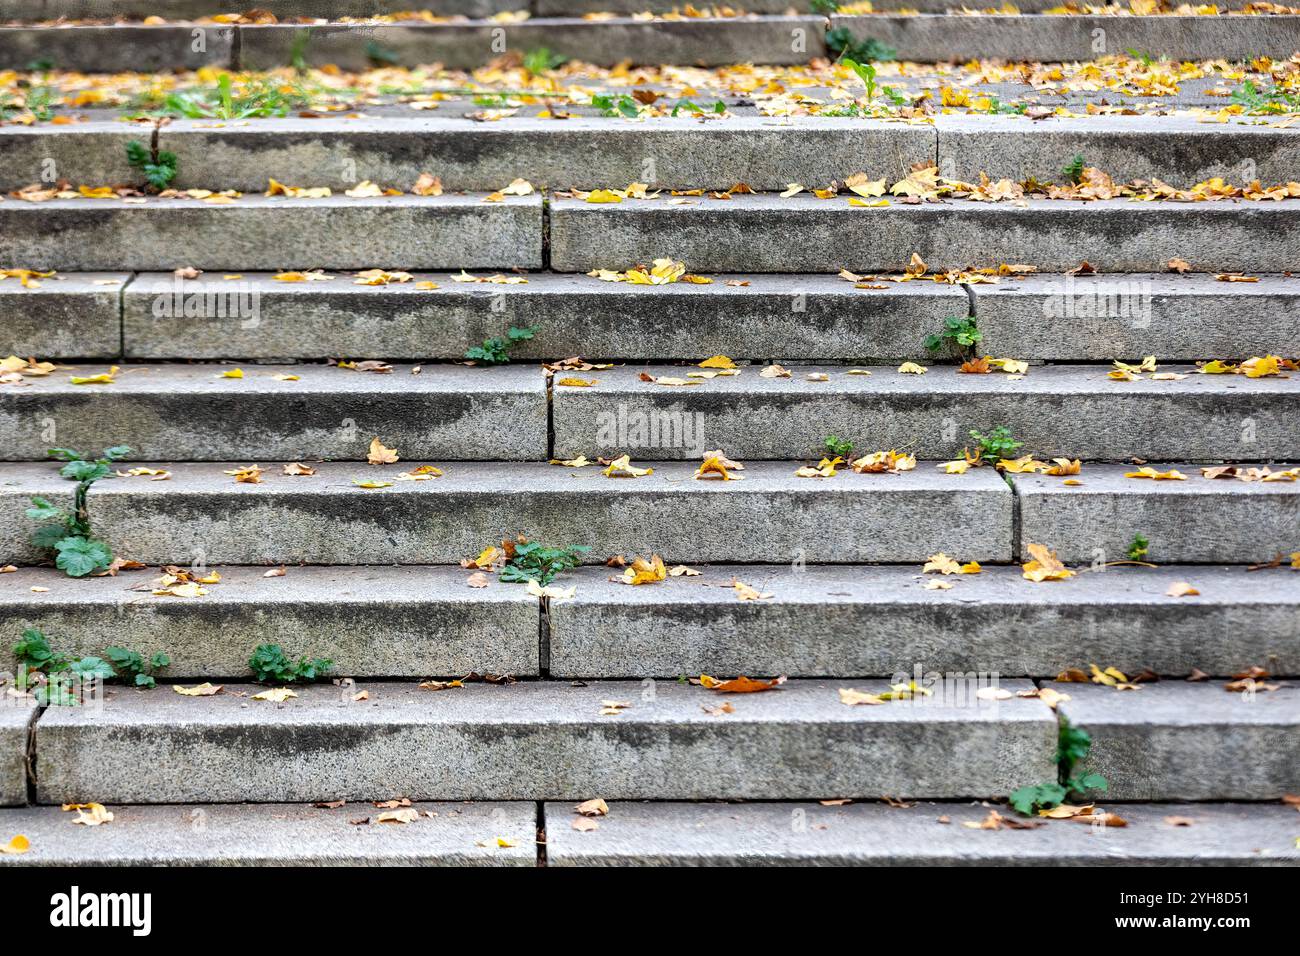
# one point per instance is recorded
(598, 703)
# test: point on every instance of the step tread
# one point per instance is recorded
(713, 834)
(458, 834)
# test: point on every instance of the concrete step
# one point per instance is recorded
(937, 39)
(882, 621)
(327, 519)
(590, 152)
(1180, 149)
(371, 621)
(254, 232)
(584, 151)
(195, 413)
(1057, 410)
(538, 740)
(1175, 740)
(463, 44)
(1175, 317)
(822, 318)
(68, 316)
(1055, 235)
(923, 834)
(1196, 520)
(17, 714)
(795, 318)
(692, 42)
(194, 9)
(447, 834)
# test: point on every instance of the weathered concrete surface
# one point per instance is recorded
(936, 39)
(539, 740)
(327, 519)
(330, 520)
(92, 151)
(16, 716)
(765, 233)
(1197, 520)
(118, 48)
(564, 8)
(178, 9)
(1189, 741)
(1181, 150)
(1175, 317)
(15, 493)
(447, 834)
(874, 834)
(691, 42)
(787, 318)
(194, 413)
(371, 621)
(881, 621)
(68, 316)
(1071, 410)
(583, 152)
(254, 232)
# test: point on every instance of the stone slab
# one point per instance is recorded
(68, 316)
(16, 717)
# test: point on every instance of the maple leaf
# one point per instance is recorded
(381, 455)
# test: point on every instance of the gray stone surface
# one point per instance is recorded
(178, 9)
(16, 716)
(1053, 38)
(787, 318)
(15, 493)
(1197, 520)
(1181, 150)
(457, 834)
(371, 621)
(585, 152)
(1127, 316)
(756, 234)
(117, 48)
(1180, 741)
(193, 413)
(92, 151)
(691, 42)
(538, 740)
(1071, 410)
(770, 516)
(254, 232)
(874, 834)
(68, 316)
(882, 621)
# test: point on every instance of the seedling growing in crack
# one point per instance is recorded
(1072, 745)
(59, 675)
(157, 166)
(79, 552)
(837, 446)
(534, 561)
(1137, 549)
(496, 350)
(959, 330)
(134, 668)
(270, 664)
(997, 444)
(1073, 171)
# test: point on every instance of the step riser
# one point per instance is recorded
(1150, 745)
(1115, 236)
(588, 153)
(787, 319)
(1198, 521)
(813, 626)
(775, 40)
(118, 49)
(665, 153)
(539, 742)
(396, 623)
(398, 232)
(1101, 425)
(493, 417)
(16, 716)
(931, 39)
(177, 9)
